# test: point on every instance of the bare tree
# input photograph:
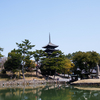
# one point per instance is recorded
(2, 61)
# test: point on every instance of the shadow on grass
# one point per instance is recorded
(8, 77)
(30, 75)
(5, 76)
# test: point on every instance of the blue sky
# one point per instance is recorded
(74, 25)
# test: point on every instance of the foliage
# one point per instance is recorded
(1, 49)
(29, 65)
(24, 49)
(13, 62)
(52, 64)
(3, 60)
(69, 56)
(85, 61)
(3, 71)
(67, 66)
(38, 54)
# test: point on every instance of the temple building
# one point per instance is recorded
(50, 47)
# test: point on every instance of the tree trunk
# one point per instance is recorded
(37, 69)
(68, 75)
(19, 72)
(64, 73)
(23, 72)
(54, 74)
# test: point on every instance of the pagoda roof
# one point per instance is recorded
(52, 50)
(50, 44)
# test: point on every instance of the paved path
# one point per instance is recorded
(61, 79)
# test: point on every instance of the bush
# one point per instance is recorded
(3, 71)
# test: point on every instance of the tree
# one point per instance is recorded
(23, 49)
(29, 64)
(3, 60)
(85, 61)
(92, 61)
(52, 64)
(69, 56)
(1, 49)
(37, 55)
(13, 62)
(67, 66)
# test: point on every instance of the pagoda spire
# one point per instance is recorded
(51, 45)
(49, 38)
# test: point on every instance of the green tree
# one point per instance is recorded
(92, 60)
(69, 56)
(37, 55)
(24, 49)
(13, 62)
(1, 49)
(29, 64)
(85, 61)
(52, 64)
(67, 66)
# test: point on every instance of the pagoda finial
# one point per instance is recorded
(49, 38)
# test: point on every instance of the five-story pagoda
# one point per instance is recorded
(50, 47)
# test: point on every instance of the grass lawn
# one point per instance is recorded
(88, 81)
(28, 76)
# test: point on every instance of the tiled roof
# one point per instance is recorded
(50, 45)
